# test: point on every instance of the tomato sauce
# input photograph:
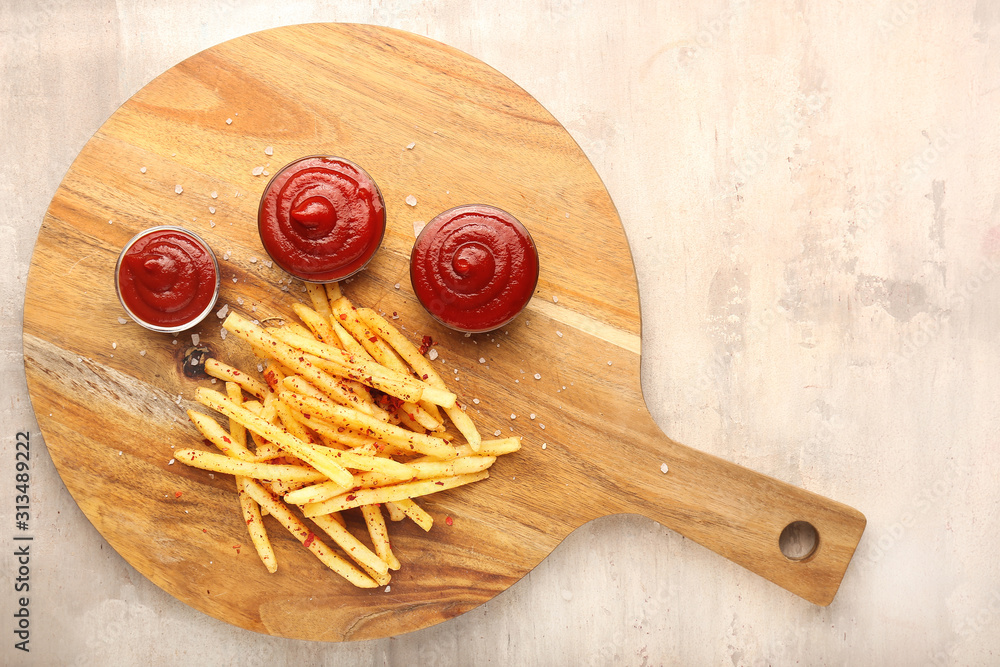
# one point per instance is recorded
(474, 268)
(167, 279)
(321, 219)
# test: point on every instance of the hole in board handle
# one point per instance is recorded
(798, 541)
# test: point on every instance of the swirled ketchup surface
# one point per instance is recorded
(321, 219)
(474, 268)
(167, 278)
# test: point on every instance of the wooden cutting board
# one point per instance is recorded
(425, 120)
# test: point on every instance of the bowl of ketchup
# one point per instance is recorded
(167, 279)
(321, 218)
(474, 268)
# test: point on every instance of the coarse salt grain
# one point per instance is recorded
(664, 468)
(178, 189)
(559, 333)
(170, 463)
(555, 299)
(532, 415)
(229, 121)
(122, 320)
(433, 354)
(114, 346)
(544, 445)
(257, 171)
(411, 200)
(538, 376)
(222, 311)
(411, 145)
(142, 353)
(396, 285)
(142, 170)
(482, 360)
(269, 150)
(476, 401)
(253, 260)
(513, 416)
(215, 195)
(496, 432)
(211, 209)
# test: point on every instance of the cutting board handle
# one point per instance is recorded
(742, 515)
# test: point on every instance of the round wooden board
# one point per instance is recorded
(424, 120)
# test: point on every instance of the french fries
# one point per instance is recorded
(349, 416)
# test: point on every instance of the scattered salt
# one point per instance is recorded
(476, 401)
(215, 195)
(142, 353)
(482, 360)
(411, 200)
(496, 432)
(418, 226)
(170, 463)
(538, 376)
(411, 145)
(513, 416)
(178, 189)
(396, 285)
(122, 320)
(223, 333)
(433, 354)
(543, 445)
(253, 260)
(664, 469)
(257, 171)
(142, 170)
(114, 346)
(211, 209)
(555, 299)
(532, 415)
(559, 333)
(269, 150)
(222, 311)
(229, 121)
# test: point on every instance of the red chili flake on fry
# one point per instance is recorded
(309, 539)
(226, 440)
(343, 316)
(351, 497)
(448, 520)
(177, 494)
(374, 339)
(439, 483)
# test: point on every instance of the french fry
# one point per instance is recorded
(332, 291)
(379, 535)
(380, 351)
(423, 368)
(255, 526)
(296, 527)
(289, 357)
(317, 294)
(286, 441)
(417, 513)
(227, 373)
(339, 415)
(395, 514)
(492, 447)
(228, 465)
(372, 563)
(393, 493)
(314, 493)
(318, 323)
(218, 436)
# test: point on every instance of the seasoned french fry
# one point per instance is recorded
(296, 527)
(373, 564)
(317, 294)
(393, 493)
(227, 373)
(231, 466)
(339, 415)
(379, 535)
(314, 493)
(286, 441)
(392, 509)
(332, 291)
(423, 368)
(318, 323)
(380, 351)
(218, 436)
(417, 513)
(255, 526)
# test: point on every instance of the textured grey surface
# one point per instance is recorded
(812, 195)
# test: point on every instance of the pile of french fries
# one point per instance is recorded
(349, 414)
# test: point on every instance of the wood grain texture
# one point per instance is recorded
(110, 397)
